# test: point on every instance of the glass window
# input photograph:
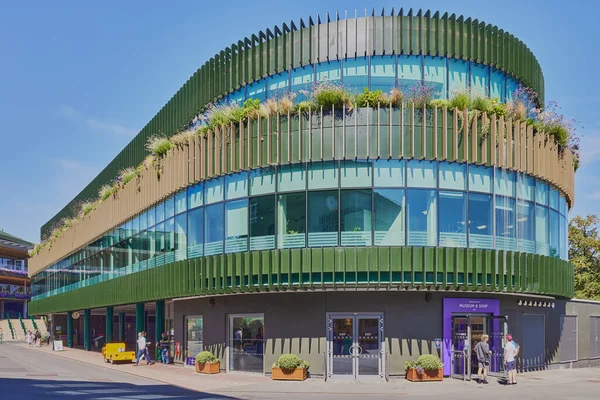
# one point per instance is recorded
(291, 220)
(238, 96)
(505, 224)
(554, 198)
(329, 71)
(355, 74)
(256, 90)
(355, 174)
(323, 175)
(262, 181)
(383, 73)
(541, 193)
(554, 234)
(262, 223)
(323, 219)
(160, 212)
(302, 79)
(246, 336)
(236, 226)
(564, 238)
(194, 336)
(435, 72)
(542, 243)
(481, 222)
(160, 240)
(453, 212)
(355, 217)
(169, 207)
(194, 194)
(511, 87)
(389, 217)
(497, 89)
(562, 205)
(180, 202)
(195, 232)
(135, 229)
(236, 185)
(214, 190)
(180, 237)
(526, 188)
(143, 226)
(458, 72)
(277, 84)
(409, 71)
(526, 227)
(422, 217)
(505, 182)
(291, 177)
(213, 229)
(389, 173)
(479, 80)
(453, 176)
(480, 179)
(421, 174)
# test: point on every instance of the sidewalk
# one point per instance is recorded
(546, 384)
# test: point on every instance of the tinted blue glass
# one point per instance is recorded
(356, 173)
(278, 84)
(479, 80)
(180, 201)
(505, 182)
(323, 175)
(262, 222)
(511, 87)
(169, 207)
(302, 79)
(541, 192)
(195, 232)
(554, 196)
(505, 224)
(410, 71)
(564, 238)
(143, 226)
(291, 177)
(422, 217)
(421, 174)
(194, 195)
(389, 173)
(436, 73)
(323, 223)
(236, 226)
(213, 229)
(329, 71)
(257, 90)
(236, 185)
(554, 234)
(452, 176)
(355, 217)
(160, 212)
(389, 217)
(213, 190)
(497, 85)
(355, 74)
(480, 178)
(458, 76)
(238, 96)
(542, 242)
(562, 205)
(180, 236)
(453, 212)
(525, 226)
(291, 220)
(383, 73)
(526, 187)
(262, 181)
(481, 221)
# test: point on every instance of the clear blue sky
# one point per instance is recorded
(79, 79)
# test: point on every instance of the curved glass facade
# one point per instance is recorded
(328, 204)
(446, 75)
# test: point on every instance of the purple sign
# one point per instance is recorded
(454, 306)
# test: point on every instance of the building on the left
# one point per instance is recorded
(14, 281)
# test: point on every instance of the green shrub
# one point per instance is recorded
(289, 362)
(206, 357)
(126, 175)
(305, 107)
(439, 103)
(500, 110)
(460, 101)
(250, 109)
(87, 208)
(223, 114)
(328, 95)
(159, 146)
(106, 191)
(429, 362)
(372, 99)
(559, 133)
(482, 104)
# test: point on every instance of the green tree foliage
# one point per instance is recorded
(584, 253)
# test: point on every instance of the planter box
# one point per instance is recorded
(208, 368)
(428, 375)
(298, 374)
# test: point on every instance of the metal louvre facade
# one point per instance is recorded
(306, 43)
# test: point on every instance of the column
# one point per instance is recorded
(109, 324)
(139, 318)
(2, 316)
(87, 329)
(159, 325)
(121, 327)
(69, 329)
(24, 309)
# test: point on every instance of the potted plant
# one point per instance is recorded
(207, 363)
(427, 368)
(289, 367)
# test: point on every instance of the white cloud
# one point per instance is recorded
(73, 115)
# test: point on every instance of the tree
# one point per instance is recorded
(584, 253)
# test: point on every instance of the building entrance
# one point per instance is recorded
(355, 346)
(467, 330)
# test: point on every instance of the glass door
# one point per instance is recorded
(246, 343)
(461, 340)
(497, 329)
(355, 346)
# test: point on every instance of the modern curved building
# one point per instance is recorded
(356, 239)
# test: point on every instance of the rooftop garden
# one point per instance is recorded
(327, 96)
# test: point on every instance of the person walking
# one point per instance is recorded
(29, 338)
(483, 353)
(146, 352)
(164, 348)
(141, 345)
(511, 350)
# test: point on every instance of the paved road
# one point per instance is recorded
(30, 373)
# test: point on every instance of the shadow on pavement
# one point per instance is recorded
(17, 389)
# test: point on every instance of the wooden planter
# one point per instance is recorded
(427, 375)
(298, 374)
(205, 368)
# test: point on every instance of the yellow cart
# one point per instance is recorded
(115, 352)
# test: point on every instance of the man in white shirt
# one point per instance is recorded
(511, 350)
(141, 345)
